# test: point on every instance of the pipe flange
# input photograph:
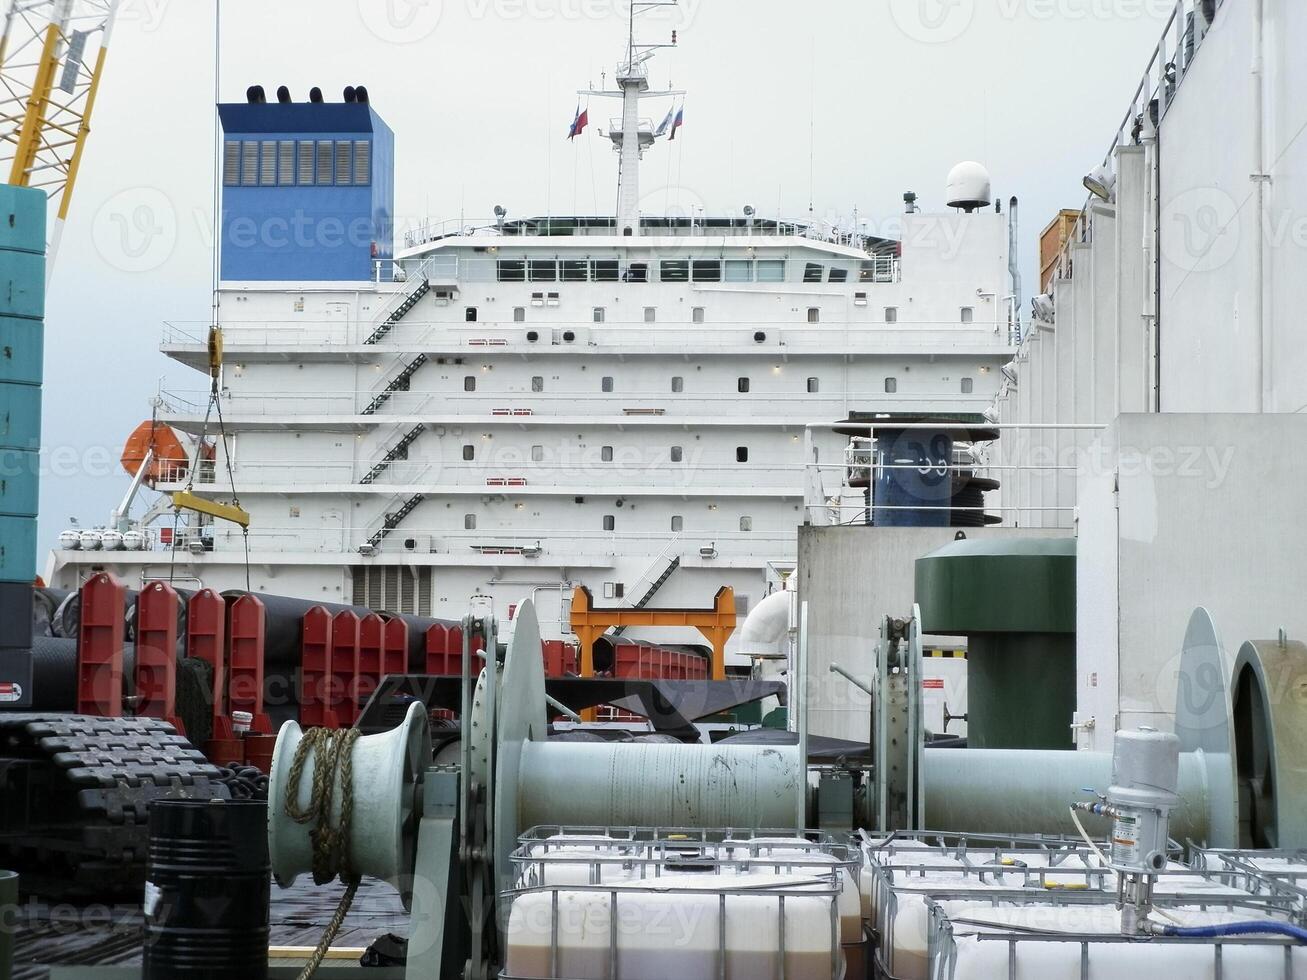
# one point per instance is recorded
(1270, 724)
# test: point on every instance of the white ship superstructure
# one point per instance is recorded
(533, 403)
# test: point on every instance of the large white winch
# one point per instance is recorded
(404, 827)
(658, 827)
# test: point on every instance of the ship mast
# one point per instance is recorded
(632, 139)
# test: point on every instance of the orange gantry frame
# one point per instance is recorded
(716, 624)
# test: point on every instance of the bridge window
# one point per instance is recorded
(576, 270)
(544, 270)
(675, 270)
(511, 270)
(739, 270)
(812, 272)
(708, 271)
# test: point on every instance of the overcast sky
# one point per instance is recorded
(841, 104)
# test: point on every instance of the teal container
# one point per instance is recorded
(22, 347)
(19, 482)
(22, 220)
(20, 416)
(17, 549)
(22, 284)
(23, 215)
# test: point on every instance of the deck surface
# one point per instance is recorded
(68, 935)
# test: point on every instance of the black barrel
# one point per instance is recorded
(207, 890)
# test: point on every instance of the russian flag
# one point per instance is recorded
(680, 121)
(662, 129)
(581, 121)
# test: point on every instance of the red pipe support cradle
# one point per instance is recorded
(246, 627)
(343, 686)
(156, 653)
(371, 654)
(394, 653)
(100, 647)
(315, 670)
(206, 639)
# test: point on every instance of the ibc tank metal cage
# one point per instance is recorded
(1279, 873)
(1094, 947)
(625, 863)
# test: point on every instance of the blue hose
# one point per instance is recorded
(1237, 929)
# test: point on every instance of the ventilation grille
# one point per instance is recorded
(393, 588)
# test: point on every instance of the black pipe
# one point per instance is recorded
(54, 673)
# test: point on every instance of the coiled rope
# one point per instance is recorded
(333, 752)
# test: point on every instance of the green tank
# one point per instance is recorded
(1014, 599)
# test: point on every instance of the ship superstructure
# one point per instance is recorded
(538, 402)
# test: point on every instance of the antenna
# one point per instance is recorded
(634, 136)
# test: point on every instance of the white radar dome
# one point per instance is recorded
(968, 187)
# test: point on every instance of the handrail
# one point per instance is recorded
(1162, 89)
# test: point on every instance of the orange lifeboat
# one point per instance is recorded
(170, 461)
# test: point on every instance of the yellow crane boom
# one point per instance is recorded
(52, 55)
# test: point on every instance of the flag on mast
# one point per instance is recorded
(679, 122)
(581, 121)
(662, 129)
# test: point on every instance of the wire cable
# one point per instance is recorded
(1075, 817)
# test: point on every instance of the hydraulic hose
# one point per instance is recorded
(1236, 929)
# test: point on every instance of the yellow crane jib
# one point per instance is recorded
(185, 500)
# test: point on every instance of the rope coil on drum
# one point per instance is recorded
(333, 753)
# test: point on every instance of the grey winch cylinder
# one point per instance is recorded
(1001, 791)
(623, 784)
